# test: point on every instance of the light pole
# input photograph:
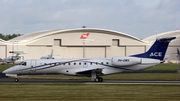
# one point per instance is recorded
(179, 64)
(179, 56)
(156, 33)
(17, 30)
(83, 42)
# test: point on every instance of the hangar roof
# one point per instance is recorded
(162, 35)
(36, 35)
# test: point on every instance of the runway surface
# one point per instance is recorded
(5, 79)
(11, 80)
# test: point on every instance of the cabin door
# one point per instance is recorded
(33, 65)
(85, 64)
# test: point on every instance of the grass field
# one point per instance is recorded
(88, 92)
(4, 66)
(98, 92)
(164, 67)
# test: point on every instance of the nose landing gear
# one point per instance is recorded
(16, 80)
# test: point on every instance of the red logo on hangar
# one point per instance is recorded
(84, 36)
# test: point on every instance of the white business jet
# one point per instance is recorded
(93, 67)
(10, 59)
(48, 57)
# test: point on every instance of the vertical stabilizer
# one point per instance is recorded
(157, 50)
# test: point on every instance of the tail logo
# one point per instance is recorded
(156, 54)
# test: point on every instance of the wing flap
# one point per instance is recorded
(98, 71)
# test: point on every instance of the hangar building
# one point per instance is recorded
(171, 54)
(66, 43)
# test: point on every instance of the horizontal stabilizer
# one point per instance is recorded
(167, 39)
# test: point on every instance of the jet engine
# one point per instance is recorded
(125, 61)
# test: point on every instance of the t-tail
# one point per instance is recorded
(157, 50)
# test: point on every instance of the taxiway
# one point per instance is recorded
(11, 80)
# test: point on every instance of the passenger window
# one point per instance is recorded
(107, 63)
(101, 63)
(80, 63)
(96, 63)
(91, 63)
(45, 64)
(84, 63)
(69, 63)
(74, 63)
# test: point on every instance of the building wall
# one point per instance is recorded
(67, 44)
(3, 51)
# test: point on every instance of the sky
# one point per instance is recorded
(138, 18)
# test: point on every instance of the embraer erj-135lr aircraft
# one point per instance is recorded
(93, 67)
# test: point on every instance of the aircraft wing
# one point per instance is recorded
(98, 71)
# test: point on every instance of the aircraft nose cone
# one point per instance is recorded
(7, 71)
(4, 71)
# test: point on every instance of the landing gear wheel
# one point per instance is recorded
(16, 79)
(98, 79)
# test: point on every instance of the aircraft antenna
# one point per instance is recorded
(12, 50)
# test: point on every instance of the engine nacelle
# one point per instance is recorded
(125, 61)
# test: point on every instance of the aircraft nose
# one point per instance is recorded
(7, 71)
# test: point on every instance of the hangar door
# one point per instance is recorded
(134, 50)
(171, 53)
(95, 52)
(3, 52)
(36, 52)
(90, 52)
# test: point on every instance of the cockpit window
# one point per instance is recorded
(23, 63)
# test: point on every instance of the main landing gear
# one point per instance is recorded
(98, 79)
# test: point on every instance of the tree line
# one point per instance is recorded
(9, 36)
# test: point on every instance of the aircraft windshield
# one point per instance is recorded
(23, 63)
